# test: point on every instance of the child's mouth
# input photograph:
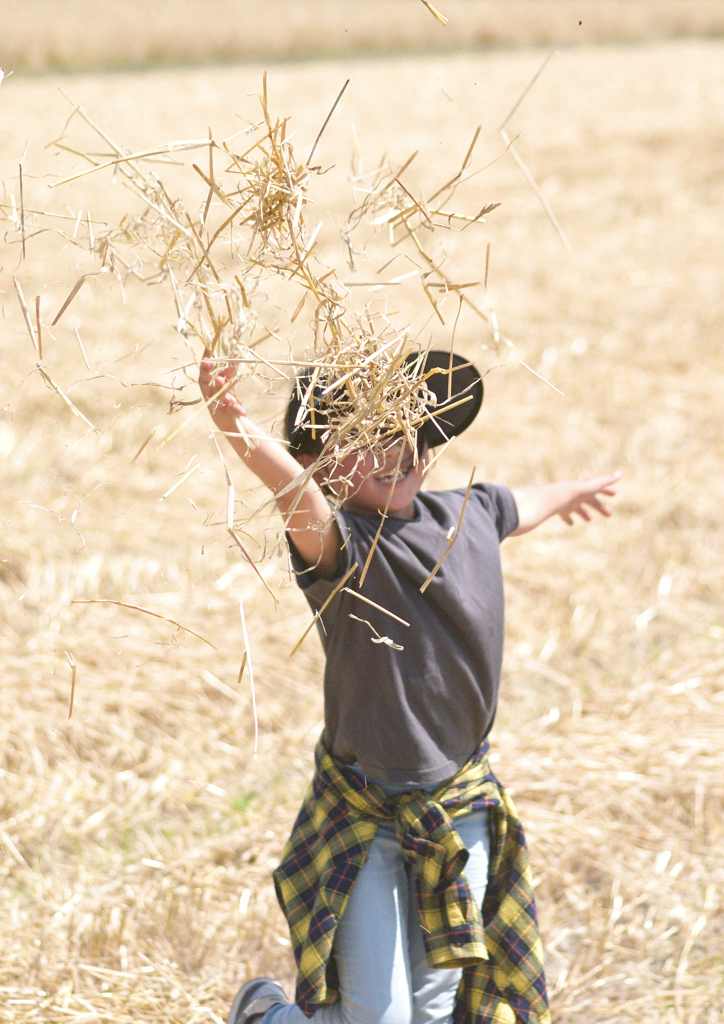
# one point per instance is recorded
(396, 476)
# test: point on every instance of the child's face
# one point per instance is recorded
(364, 481)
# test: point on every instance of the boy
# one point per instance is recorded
(386, 926)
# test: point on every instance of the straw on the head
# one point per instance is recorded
(251, 231)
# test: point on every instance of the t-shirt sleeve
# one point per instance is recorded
(501, 506)
(316, 587)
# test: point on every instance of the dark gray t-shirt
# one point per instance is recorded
(410, 704)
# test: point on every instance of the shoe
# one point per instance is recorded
(253, 1000)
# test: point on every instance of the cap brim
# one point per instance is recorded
(458, 388)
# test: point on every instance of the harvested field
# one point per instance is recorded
(41, 34)
(137, 837)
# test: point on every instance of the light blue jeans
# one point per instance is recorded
(383, 972)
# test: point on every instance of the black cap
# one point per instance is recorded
(459, 394)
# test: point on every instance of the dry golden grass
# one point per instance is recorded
(136, 839)
(43, 34)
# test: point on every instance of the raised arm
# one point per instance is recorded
(565, 498)
(311, 523)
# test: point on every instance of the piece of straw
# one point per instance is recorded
(534, 185)
(75, 289)
(451, 540)
(230, 523)
(531, 370)
(237, 540)
(383, 517)
(74, 669)
(212, 183)
(378, 638)
(22, 208)
(146, 611)
(38, 327)
(339, 586)
(26, 313)
(326, 122)
(14, 851)
(178, 483)
(148, 439)
(171, 147)
(435, 13)
(247, 659)
(527, 89)
(379, 607)
(59, 391)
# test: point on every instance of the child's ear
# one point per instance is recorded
(304, 459)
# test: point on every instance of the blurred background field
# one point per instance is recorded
(39, 35)
(138, 837)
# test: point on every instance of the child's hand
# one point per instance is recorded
(213, 379)
(566, 498)
(587, 492)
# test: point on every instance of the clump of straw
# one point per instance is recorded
(252, 228)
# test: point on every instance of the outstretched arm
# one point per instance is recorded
(311, 523)
(565, 498)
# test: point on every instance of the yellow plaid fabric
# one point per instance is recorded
(498, 946)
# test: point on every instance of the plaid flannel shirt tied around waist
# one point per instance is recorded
(498, 946)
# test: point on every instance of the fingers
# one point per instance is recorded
(207, 370)
(579, 509)
(596, 485)
(596, 503)
(218, 380)
(603, 484)
(210, 372)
